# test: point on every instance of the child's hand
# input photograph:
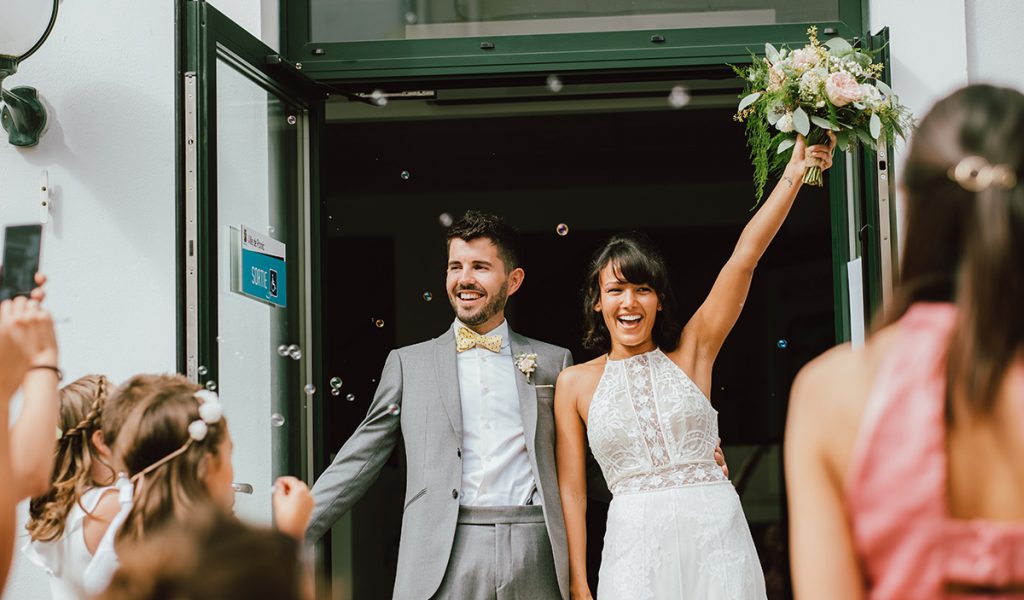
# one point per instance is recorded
(26, 339)
(293, 504)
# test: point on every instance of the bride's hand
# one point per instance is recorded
(818, 155)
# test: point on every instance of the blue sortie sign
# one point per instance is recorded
(264, 272)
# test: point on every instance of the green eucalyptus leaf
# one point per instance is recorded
(785, 144)
(884, 88)
(800, 121)
(771, 53)
(864, 137)
(843, 140)
(823, 123)
(775, 113)
(876, 126)
(748, 100)
(839, 46)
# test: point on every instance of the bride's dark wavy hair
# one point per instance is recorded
(635, 260)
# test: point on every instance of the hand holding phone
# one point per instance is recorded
(22, 248)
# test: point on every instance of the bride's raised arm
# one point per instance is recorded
(704, 334)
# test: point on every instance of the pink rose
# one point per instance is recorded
(805, 58)
(842, 88)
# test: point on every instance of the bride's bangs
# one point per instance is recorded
(630, 264)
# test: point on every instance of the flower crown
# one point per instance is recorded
(211, 411)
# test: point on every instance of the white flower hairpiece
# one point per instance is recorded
(210, 411)
(197, 430)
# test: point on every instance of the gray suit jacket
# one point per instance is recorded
(423, 381)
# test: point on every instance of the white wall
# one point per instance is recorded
(941, 45)
(107, 77)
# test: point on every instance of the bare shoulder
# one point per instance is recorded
(96, 522)
(581, 375)
(830, 393)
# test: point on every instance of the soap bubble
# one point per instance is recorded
(445, 220)
(335, 392)
(554, 83)
(295, 352)
(678, 97)
(427, 296)
(406, 175)
(379, 323)
(782, 344)
(410, 18)
(335, 383)
(310, 389)
(282, 350)
(394, 410)
(562, 229)
(201, 370)
(378, 98)
(211, 385)
(351, 397)
(277, 419)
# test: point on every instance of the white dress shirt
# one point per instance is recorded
(496, 468)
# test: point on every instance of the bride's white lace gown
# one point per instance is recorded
(676, 529)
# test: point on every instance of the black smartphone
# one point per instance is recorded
(22, 245)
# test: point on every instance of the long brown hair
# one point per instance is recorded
(81, 405)
(156, 425)
(965, 234)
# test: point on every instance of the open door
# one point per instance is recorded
(880, 229)
(865, 252)
(250, 126)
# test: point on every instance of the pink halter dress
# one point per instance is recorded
(896, 493)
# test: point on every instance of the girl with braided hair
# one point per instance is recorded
(65, 523)
(175, 448)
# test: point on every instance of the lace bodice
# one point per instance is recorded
(650, 427)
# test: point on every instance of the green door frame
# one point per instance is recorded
(385, 59)
(203, 34)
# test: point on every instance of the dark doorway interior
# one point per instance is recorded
(681, 176)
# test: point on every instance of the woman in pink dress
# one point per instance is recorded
(905, 459)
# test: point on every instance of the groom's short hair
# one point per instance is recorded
(476, 224)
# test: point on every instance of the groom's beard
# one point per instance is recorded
(494, 306)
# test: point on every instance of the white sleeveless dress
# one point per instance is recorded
(676, 529)
(66, 558)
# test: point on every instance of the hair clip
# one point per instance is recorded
(975, 174)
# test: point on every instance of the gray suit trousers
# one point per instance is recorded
(500, 553)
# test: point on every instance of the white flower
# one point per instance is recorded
(526, 363)
(785, 123)
(197, 430)
(211, 412)
(811, 84)
(871, 97)
(204, 396)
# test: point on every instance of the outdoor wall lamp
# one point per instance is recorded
(21, 23)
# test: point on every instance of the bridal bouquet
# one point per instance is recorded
(822, 86)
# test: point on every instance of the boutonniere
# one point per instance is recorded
(527, 364)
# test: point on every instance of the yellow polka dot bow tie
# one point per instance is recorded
(466, 338)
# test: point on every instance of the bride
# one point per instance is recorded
(676, 528)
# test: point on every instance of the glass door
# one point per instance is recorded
(250, 122)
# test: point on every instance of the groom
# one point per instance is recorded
(482, 519)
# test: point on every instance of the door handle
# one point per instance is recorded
(244, 488)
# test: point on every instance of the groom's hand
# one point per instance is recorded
(720, 458)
